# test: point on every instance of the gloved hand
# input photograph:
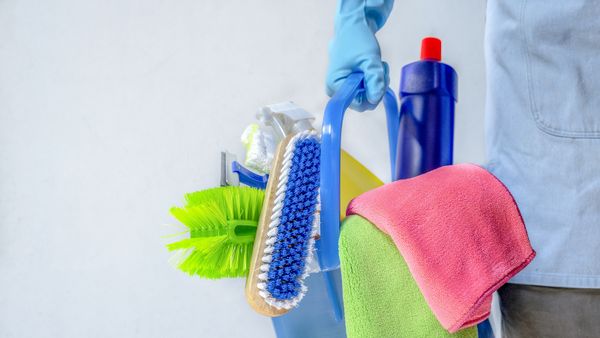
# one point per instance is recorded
(355, 48)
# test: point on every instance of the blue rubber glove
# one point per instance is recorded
(354, 48)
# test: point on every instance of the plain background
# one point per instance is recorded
(111, 110)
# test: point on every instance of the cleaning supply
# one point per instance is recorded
(248, 177)
(460, 232)
(381, 298)
(331, 139)
(260, 148)
(325, 319)
(428, 92)
(288, 224)
(354, 48)
(234, 174)
(221, 223)
(322, 306)
(284, 118)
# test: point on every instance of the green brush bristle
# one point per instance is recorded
(222, 226)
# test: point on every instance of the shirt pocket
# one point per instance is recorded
(563, 65)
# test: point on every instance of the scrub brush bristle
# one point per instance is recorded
(288, 227)
(221, 224)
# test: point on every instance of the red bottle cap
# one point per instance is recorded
(431, 49)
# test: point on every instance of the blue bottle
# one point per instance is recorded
(428, 92)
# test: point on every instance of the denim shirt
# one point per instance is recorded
(543, 130)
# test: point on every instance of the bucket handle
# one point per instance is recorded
(327, 246)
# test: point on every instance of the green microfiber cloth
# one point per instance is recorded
(381, 299)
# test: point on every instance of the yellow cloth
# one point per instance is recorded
(355, 179)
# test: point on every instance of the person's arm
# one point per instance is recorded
(354, 48)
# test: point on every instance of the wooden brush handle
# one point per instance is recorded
(254, 299)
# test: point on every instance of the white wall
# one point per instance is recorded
(111, 110)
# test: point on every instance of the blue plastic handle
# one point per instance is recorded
(392, 112)
(249, 177)
(327, 246)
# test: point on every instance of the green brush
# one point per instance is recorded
(222, 225)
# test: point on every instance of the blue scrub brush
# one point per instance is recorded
(289, 222)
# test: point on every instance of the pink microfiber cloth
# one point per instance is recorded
(460, 232)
